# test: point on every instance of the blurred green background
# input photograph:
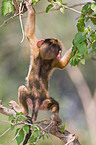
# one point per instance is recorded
(14, 64)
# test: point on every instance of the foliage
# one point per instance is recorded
(7, 7)
(84, 47)
(63, 127)
(24, 129)
(84, 42)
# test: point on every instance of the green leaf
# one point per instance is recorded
(20, 137)
(88, 29)
(47, 136)
(22, 117)
(94, 46)
(87, 8)
(63, 127)
(93, 19)
(83, 61)
(93, 36)
(20, 113)
(7, 7)
(49, 7)
(93, 7)
(12, 127)
(74, 61)
(43, 136)
(78, 55)
(82, 48)
(33, 139)
(26, 128)
(86, 19)
(80, 25)
(35, 1)
(11, 117)
(71, 62)
(19, 140)
(79, 37)
(36, 133)
(17, 131)
(74, 49)
(21, 133)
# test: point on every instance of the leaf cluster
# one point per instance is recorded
(20, 133)
(56, 4)
(84, 42)
(8, 7)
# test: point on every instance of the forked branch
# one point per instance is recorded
(65, 136)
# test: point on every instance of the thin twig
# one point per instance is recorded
(70, 8)
(76, 5)
(65, 136)
(6, 122)
(43, 120)
(51, 139)
(9, 19)
(49, 125)
(78, 11)
(58, 8)
(21, 24)
(5, 132)
(42, 12)
(21, 28)
(15, 124)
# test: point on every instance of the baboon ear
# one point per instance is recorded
(39, 43)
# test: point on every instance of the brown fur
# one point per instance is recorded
(46, 56)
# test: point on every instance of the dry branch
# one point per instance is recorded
(64, 136)
(6, 111)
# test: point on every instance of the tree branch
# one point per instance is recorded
(5, 22)
(66, 7)
(5, 132)
(70, 8)
(64, 136)
(76, 5)
(6, 111)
